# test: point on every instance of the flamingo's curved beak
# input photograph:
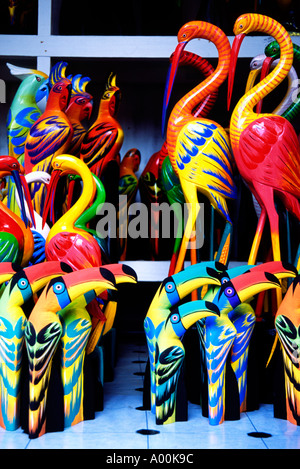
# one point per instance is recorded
(24, 195)
(49, 202)
(264, 72)
(170, 80)
(237, 42)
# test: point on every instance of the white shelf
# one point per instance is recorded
(44, 46)
(157, 271)
(117, 47)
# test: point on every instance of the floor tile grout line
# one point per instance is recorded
(262, 439)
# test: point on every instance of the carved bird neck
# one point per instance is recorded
(243, 113)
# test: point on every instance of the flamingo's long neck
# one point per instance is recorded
(243, 113)
(183, 110)
(67, 221)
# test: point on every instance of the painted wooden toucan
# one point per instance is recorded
(44, 330)
(171, 291)
(232, 330)
(170, 353)
(22, 286)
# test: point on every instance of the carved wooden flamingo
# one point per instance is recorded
(199, 149)
(265, 146)
(153, 185)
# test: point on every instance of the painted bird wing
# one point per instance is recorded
(98, 142)
(9, 248)
(46, 137)
(203, 156)
(18, 129)
(270, 153)
(128, 185)
(167, 371)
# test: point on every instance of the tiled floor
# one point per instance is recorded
(121, 425)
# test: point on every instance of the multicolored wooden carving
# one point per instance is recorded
(79, 109)
(101, 146)
(22, 286)
(169, 179)
(287, 327)
(231, 331)
(171, 291)
(199, 149)
(265, 146)
(128, 186)
(50, 135)
(273, 50)
(23, 112)
(46, 326)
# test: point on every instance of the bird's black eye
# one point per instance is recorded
(175, 318)
(170, 287)
(59, 287)
(229, 291)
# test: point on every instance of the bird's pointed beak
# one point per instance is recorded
(40, 274)
(194, 311)
(264, 72)
(237, 42)
(123, 273)
(7, 270)
(252, 79)
(170, 81)
(278, 268)
(249, 284)
(70, 193)
(24, 195)
(97, 279)
(49, 202)
(196, 276)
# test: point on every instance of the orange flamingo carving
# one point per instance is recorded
(151, 185)
(199, 148)
(265, 146)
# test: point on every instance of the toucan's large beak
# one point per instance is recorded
(279, 269)
(7, 270)
(97, 279)
(170, 81)
(123, 273)
(193, 311)
(49, 202)
(24, 195)
(249, 284)
(237, 42)
(40, 274)
(196, 276)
